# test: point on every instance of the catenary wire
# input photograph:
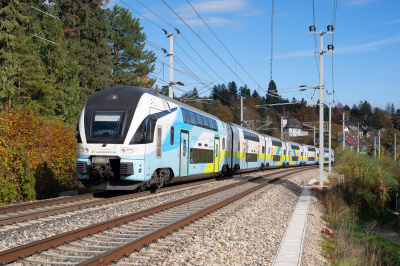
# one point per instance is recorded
(236, 61)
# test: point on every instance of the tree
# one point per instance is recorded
(305, 114)
(225, 95)
(346, 108)
(232, 88)
(131, 64)
(244, 91)
(379, 119)
(272, 91)
(11, 20)
(365, 110)
(390, 109)
(224, 113)
(255, 94)
(88, 32)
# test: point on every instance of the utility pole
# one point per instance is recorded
(358, 138)
(343, 130)
(321, 96)
(379, 144)
(241, 111)
(395, 136)
(282, 127)
(314, 137)
(171, 61)
(330, 130)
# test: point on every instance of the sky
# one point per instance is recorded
(365, 64)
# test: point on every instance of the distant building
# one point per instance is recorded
(293, 127)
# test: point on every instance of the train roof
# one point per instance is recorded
(184, 105)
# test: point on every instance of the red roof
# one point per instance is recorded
(350, 141)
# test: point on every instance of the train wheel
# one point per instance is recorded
(157, 180)
(142, 187)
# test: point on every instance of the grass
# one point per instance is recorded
(351, 238)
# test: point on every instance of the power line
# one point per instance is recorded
(204, 42)
(236, 61)
(333, 35)
(175, 42)
(315, 38)
(194, 61)
(272, 33)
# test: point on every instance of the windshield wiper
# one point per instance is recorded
(115, 133)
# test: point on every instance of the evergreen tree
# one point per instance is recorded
(272, 91)
(131, 64)
(11, 20)
(88, 31)
(233, 89)
(225, 95)
(255, 94)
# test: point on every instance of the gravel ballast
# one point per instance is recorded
(24, 233)
(249, 233)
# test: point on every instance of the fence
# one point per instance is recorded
(340, 177)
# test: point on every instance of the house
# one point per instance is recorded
(293, 127)
(349, 142)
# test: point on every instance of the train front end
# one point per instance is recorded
(106, 158)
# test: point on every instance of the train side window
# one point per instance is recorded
(184, 115)
(223, 143)
(192, 155)
(199, 120)
(192, 118)
(215, 125)
(172, 135)
(159, 151)
(199, 158)
(206, 123)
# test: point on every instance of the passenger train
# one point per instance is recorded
(132, 138)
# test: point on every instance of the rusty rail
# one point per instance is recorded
(14, 254)
(82, 205)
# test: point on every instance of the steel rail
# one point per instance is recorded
(82, 205)
(23, 251)
(114, 255)
(42, 203)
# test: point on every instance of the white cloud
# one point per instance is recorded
(359, 2)
(296, 54)
(345, 50)
(392, 22)
(220, 6)
(366, 47)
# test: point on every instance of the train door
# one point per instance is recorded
(244, 158)
(216, 155)
(184, 154)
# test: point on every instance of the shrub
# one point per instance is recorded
(370, 181)
(38, 156)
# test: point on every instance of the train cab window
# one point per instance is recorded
(223, 143)
(199, 120)
(172, 135)
(107, 124)
(145, 132)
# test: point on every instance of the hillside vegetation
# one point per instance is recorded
(38, 156)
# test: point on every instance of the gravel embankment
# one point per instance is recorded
(24, 233)
(311, 244)
(248, 234)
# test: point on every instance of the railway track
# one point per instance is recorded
(25, 212)
(107, 242)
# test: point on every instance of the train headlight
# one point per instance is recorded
(81, 149)
(127, 151)
(86, 150)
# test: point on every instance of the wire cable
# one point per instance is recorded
(272, 33)
(236, 61)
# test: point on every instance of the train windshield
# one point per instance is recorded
(107, 124)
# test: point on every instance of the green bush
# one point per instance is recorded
(370, 181)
